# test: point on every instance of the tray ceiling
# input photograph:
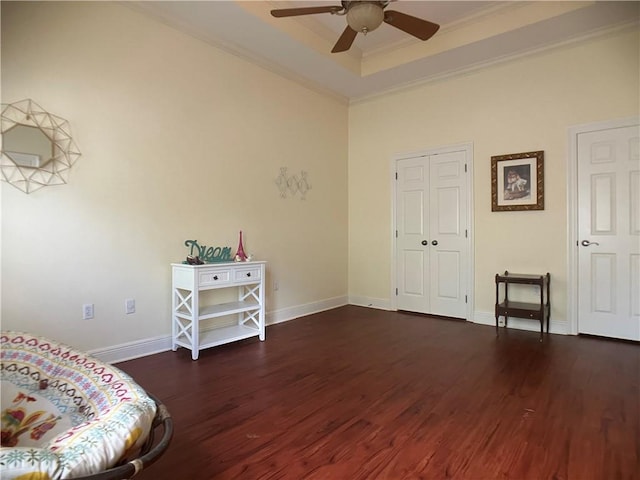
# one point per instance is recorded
(472, 34)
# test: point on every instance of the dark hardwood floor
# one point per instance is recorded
(357, 393)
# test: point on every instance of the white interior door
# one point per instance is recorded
(431, 234)
(609, 232)
(412, 234)
(448, 232)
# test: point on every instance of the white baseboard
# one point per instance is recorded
(560, 327)
(379, 303)
(286, 314)
(484, 318)
(131, 350)
(150, 346)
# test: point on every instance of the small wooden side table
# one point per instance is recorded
(537, 311)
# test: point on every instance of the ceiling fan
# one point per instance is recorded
(364, 16)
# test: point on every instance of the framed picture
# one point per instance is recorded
(517, 182)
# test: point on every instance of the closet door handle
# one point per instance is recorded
(425, 242)
(586, 243)
(435, 242)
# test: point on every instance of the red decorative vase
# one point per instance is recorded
(240, 255)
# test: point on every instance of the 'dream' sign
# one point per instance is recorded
(209, 254)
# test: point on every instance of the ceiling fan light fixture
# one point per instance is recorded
(365, 16)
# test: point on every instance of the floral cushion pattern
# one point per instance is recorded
(29, 419)
(64, 413)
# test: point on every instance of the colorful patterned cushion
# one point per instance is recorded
(28, 418)
(64, 413)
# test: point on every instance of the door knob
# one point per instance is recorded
(586, 243)
(425, 242)
(435, 242)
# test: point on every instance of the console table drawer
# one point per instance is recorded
(214, 277)
(246, 274)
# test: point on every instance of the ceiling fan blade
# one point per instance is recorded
(292, 12)
(415, 26)
(345, 41)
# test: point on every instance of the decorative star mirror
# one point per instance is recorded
(37, 149)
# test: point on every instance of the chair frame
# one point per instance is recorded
(149, 452)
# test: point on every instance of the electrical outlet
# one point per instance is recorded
(129, 306)
(276, 286)
(87, 311)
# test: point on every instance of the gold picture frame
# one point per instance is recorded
(517, 182)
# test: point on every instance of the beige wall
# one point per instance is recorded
(179, 141)
(523, 105)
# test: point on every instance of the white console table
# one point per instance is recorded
(187, 311)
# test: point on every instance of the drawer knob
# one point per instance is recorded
(248, 274)
(215, 277)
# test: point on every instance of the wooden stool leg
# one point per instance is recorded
(541, 327)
